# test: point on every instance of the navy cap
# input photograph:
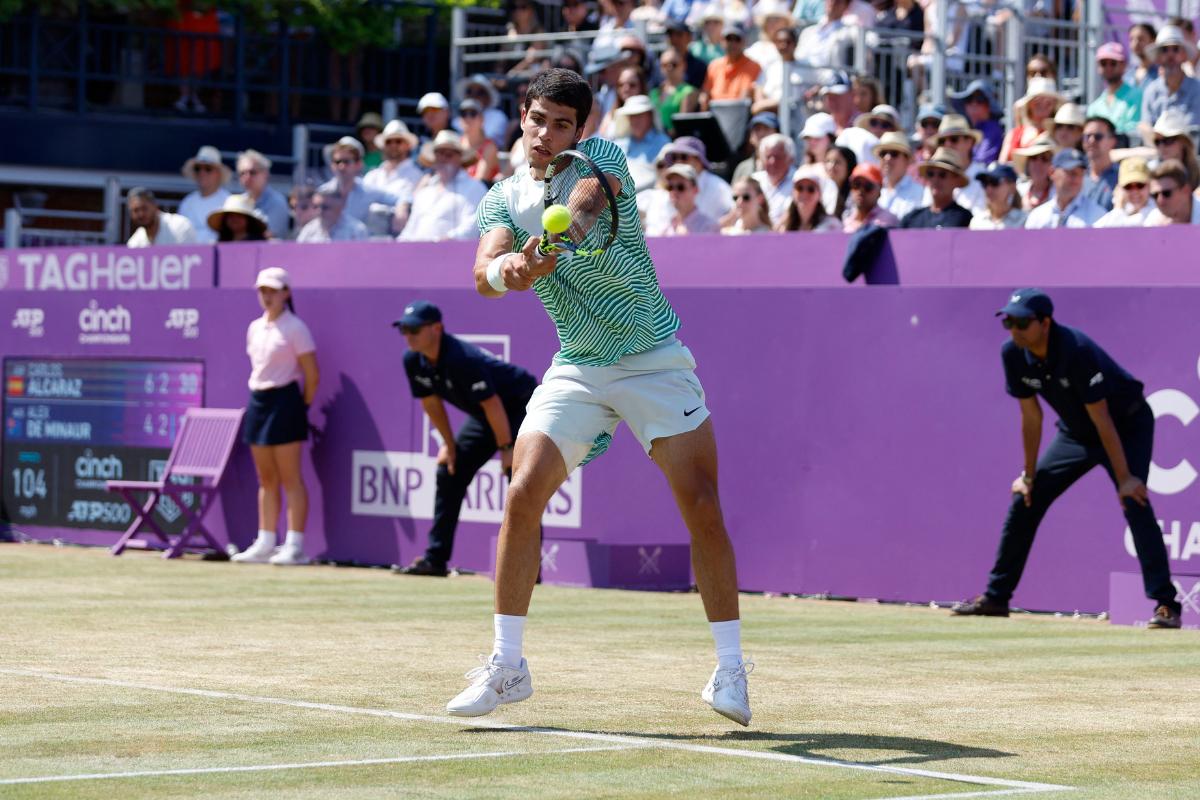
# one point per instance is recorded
(677, 26)
(768, 118)
(1026, 304)
(1069, 159)
(998, 172)
(931, 111)
(419, 312)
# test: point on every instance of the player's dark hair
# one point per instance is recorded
(564, 87)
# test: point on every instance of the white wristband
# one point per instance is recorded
(495, 278)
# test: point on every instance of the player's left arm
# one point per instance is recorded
(1128, 484)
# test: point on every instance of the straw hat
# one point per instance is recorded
(1171, 35)
(956, 125)
(882, 111)
(206, 155)
(893, 141)
(1133, 170)
(1171, 124)
(1042, 144)
(1067, 114)
(1039, 87)
(948, 160)
(345, 141)
(396, 130)
(242, 205)
(446, 140)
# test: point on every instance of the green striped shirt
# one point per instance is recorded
(603, 307)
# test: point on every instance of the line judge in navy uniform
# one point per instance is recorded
(493, 393)
(1103, 420)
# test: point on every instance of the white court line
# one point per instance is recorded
(305, 765)
(1026, 786)
(954, 796)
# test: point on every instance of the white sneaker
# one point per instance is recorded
(289, 555)
(728, 693)
(492, 685)
(257, 553)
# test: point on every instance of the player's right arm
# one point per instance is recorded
(1031, 439)
(517, 271)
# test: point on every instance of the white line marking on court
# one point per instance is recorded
(617, 738)
(304, 765)
(990, 793)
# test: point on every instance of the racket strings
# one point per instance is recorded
(576, 187)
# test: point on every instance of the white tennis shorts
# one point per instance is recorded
(656, 392)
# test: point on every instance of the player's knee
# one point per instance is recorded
(525, 501)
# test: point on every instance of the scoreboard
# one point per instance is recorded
(72, 424)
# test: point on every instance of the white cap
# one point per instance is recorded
(273, 278)
(637, 104)
(432, 100)
(818, 125)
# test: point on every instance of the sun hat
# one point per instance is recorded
(206, 155)
(243, 205)
(977, 86)
(950, 161)
(482, 82)
(345, 141)
(446, 140)
(893, 141)
(1042, 144)
(396, 130)
(882, 111)
(432, 100)
(1171, 35)
(690, 146)
(1172, 123)
(1039, 87)
(637, 104)
(369, 120)
(1067, 114)
(1133, 170)
(273, 278)
(956, 125)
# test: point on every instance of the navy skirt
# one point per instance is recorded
(276, 416)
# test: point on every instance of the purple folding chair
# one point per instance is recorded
(202, 449)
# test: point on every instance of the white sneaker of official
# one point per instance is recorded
(289, 555)
(492, 685)
(258, 553)
(728, 693)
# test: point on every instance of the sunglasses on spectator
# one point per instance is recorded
(1162, 194)
(1169, 49)
(1039, 73)
(746, 197)
(671, 160)
(254, 171)
(205, 168)
(323, 207)
(862, 186)
(955, 138)
(805, 188)
(881, 124)
(341, 162)
(1043, 158)
(1020, 324)
(936, 174)
(678, 187)
(409, 330)
(930, 124)
(469, 113)
(1108, 62)
(1134, 187)
(1166, 140)
(1095, 137)
(990, 183)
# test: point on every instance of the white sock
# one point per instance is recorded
(294, 539)
(265, 538)
(728, 637)
(510, 631)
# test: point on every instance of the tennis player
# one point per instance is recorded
(618, 360)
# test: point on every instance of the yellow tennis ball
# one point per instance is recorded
(556, 218)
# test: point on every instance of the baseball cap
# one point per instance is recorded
(839, 83)
(417, 313)
(677, 26)
(432, 100)
(734, 27)
(1110, 51)
(818, 125)
(273, 278)
(1069, 159)
(869, 171)
(998, 172)
(768, 118)
(1026, 304)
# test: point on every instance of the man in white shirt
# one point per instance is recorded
(444, 203)
(254, 173)
(155, 227)
(824, 44)
(777, 154)
(1070, 208)
(331, 224)
(399, 174)
(900, 193)
(210, 176)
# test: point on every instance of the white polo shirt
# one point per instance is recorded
(275, 348)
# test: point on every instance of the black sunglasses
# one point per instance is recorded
(1020, 324)
(1162, 194)
(747, 197)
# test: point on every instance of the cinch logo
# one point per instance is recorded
(90, 466)
(105, 325)
(30, 320)
(186, 320)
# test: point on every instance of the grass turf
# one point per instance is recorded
(1113, 712)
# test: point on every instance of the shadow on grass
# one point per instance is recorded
(906, 749)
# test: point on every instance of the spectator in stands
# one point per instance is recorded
(678, 10)
(345, 159)
(693, 70)
(615, 19)
(732, 76)
(839, 163)
(716, 197)
(639, 139)
(604, 64)
(1002, 210)
(900, 193)
(1099, 138)
(980, 108)
(368, 127)
(684, 216)
(399, 174)
(1067, 126)
(210, 175)
(522, 21)
(1041, 66)
(761, 126)
(282, 355)
(1142, 70)
(710, 46)
(1134, 204)
(300, 203)
(1069, 208)
(901, 15)
(579, 16)
(1172, 194)
(486, 167)
(838, 100)
(331, 224)
(1172, 90)
(806, 210)
(956, 134)
(1172, 138)
(434, 109)
(1189, 32)
(825, 44)
(929, 119)
(868, 127)
(1034, 163)
(444, 203)
(254, 173)
(1035, 111)
(865, 184)
(238, 220)
(155, 227)
(675, 95)
(768, 89)
(481, 90)
(944, 172)
(818, 134)
(954, 42)
(777, 155)
(1118, 101)
(770, 17)
(631, 82)
(751, 213)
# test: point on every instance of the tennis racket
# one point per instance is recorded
(574, 180)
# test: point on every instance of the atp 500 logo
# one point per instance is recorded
(184, 320)
(30, 320)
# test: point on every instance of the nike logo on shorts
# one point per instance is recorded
(693, 411)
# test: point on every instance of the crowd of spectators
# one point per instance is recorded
(1126, 156)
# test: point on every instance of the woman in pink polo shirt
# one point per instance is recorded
(282, 354)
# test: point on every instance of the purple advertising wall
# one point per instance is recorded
(866, 442)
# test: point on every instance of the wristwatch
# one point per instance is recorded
(1028, 480)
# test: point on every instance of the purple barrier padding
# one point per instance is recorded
(1127, 603)
(866, 443)
(95, 269)
(1116, 257)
